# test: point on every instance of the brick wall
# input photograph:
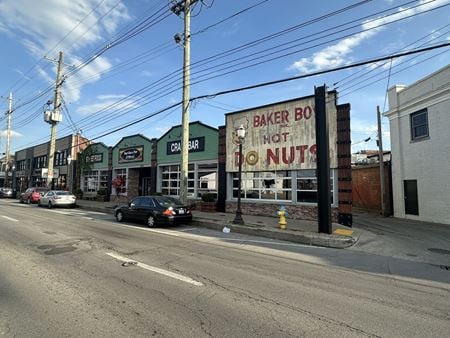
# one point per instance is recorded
(268, 209)
(133, 183)
(344, 165)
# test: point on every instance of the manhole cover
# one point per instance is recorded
(439, 251)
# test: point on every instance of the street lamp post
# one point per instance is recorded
(241, 137)
(69, 176)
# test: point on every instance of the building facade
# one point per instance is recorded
(279, 159)
(420, 143)
(132, 169)
(95, 164)
(32, 164)
(203, 161)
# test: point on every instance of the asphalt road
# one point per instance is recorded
(74, 273)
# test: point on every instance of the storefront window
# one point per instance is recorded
(307, 186)
(170, 180)
(266, 185)
(90, 182)
(120, 176)
(207, 179)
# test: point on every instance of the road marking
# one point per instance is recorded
(155, 269)
(168, 232)
(343, 232)
(11, 219)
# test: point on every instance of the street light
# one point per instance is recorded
(240, 139)
(69, 178)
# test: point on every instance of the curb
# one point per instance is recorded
(309, 238)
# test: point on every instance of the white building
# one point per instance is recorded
(419, 117)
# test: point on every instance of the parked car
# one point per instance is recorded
(154, 210)
(58, 198)
(32, 195)
(6, 193)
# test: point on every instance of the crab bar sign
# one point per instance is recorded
(280, 136)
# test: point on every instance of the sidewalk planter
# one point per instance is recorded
(208, 203)
(102, 195)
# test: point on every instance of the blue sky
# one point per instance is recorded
(100, 96)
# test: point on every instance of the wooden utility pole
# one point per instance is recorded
(381, 162)
(8, 130)
(177, 8)
(55, 118)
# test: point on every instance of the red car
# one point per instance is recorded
(32, 195)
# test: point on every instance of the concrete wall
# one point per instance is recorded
(426, 160)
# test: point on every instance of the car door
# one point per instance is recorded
(144, 208)
(132, 211)
(44, 199)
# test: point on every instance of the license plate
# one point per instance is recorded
(181, 211)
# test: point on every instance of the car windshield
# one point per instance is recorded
(165, 201)
(62, 193)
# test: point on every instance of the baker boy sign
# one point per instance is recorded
(281, 136)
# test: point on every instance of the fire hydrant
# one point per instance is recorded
(282, 213)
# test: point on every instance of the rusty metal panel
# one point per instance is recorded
(279, 136)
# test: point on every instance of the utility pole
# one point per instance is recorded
(8, 130)
(381, 162)
(54, 119)
(185, 6)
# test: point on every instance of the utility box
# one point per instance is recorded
(48, 116)
(52, 117)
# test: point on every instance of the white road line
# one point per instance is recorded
(11, 219)
(168, 232)
(157, 270)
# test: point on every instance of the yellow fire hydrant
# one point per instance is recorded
(282, 213)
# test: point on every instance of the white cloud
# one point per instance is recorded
(12, 133)
(161, 130)
(339, 54)
(105, 101)
(146, 73)
(47, 26)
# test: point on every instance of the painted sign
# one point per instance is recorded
(132, 154)
(279, 137)
(196, 144)
(94, 158)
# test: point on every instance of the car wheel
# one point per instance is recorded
(119, 216)
(50, 205)
(151, 221)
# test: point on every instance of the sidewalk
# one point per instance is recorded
(299, 231)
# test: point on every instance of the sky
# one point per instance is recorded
(122, 64)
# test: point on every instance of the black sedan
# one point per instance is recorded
(154, 210)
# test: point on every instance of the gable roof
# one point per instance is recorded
(191, 123)
(130, 136)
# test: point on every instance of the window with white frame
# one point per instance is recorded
(307, 186)
(90, 182)
(266, 185)
(170, 180)
(207, 178)
(120, 173)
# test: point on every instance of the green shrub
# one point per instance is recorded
(208, 197)
(102, 192)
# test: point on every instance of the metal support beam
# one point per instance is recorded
(323, 162)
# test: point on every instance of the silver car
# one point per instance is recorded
(57, 198)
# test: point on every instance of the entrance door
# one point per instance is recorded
(146, 186)
(411, 200)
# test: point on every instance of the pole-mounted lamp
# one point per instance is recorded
(69, 168)
(240, 132)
